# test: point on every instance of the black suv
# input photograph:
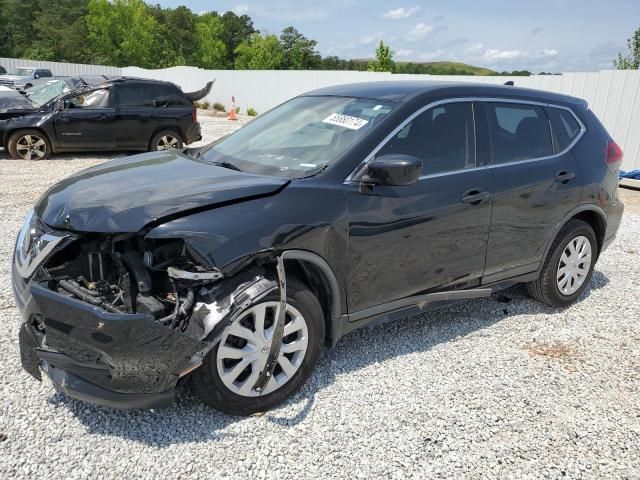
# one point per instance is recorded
(98, 114)
(235, 263)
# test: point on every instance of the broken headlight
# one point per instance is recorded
(34, 245)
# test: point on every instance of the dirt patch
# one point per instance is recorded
(631, 199)
(563, 354)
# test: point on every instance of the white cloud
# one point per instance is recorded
(474, 48)
(420, 31)
(369, 39)
(435, 55)
(241, 9)
(400, 13)
(404, 52)
(493, 55)
(549, 52)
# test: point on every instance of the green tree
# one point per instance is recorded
(60, 31)
(236, 29)
(123, 32)
(4, 32)
(211, 52)
(19, 18)
(177, 40)
(630, 61)
(259, 53)
(299, 52)
(384, 59)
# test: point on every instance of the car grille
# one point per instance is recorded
(6, 83)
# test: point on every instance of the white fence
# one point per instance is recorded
(613, 95)
(62, 69)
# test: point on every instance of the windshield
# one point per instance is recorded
(300, 137)
(21, 72)
(41, 94)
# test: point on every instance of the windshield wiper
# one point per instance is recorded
(228, 165)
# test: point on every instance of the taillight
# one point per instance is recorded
(614, 154)
(194, 115)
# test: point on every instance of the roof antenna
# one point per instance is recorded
(510, 83)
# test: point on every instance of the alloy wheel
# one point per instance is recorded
(574, 265)
(245, 346)
(31, 147)
(168, 142)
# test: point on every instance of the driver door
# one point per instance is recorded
(431, 235)
(87, 122)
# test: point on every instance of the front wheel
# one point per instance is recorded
(567, 270)
(226, 379)
(29, 145)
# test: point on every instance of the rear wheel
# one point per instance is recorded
(567, 270)
(166, 140)
(29, 145)
(228, 375)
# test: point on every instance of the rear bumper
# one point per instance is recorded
(116, 360)
(194, 134)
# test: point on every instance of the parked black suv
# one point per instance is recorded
(344, 206)
(98, 114)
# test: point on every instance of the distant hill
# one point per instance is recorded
(446, 68)
(437, 68)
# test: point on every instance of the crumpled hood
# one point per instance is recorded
(11, 101)
(126, 194)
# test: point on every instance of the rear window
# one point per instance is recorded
(149, 95)
(565, 128)
(518, 132)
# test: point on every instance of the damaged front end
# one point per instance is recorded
(119, 319)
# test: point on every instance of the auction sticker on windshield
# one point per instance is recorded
(346, 121)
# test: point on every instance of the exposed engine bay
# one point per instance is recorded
(161, 278)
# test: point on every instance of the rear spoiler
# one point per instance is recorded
(200, 94)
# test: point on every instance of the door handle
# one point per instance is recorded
(564, 177)
(475, 197)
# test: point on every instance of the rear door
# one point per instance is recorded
(427, 236)
(146, 108)
(535, 182)
(87, 122)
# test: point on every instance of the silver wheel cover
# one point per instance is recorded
(31, 147)
(245, 345)
(574, 265)
(168, 142)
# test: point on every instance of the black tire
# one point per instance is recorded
(161, 138)
(545, 289)
(208, 385)
(18, 141)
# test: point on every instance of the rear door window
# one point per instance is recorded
(518, 132)
(565, 128)
(442, 137)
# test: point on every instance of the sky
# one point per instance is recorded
(535, 35)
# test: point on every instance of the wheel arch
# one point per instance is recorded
(589, 213)
(172, 128)
(318, 275)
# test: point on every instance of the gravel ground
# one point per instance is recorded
(494, 388)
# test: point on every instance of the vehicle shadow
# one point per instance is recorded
(190, 421)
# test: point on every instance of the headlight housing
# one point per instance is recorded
(34, 245)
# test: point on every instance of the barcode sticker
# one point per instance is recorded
(346, 121)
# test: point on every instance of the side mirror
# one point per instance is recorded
(36, 76)
(393, 170)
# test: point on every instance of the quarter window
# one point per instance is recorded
(442, 137)
(518, 132)
(565, 128)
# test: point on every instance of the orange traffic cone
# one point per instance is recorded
(232, 112)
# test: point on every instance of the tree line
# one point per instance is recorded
(133, 32)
